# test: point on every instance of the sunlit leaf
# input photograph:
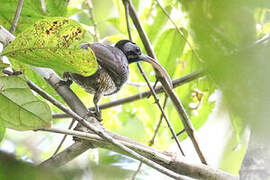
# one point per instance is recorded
(159, 21)
(54, 43)
(169, 47)
(235, 62)
(19, 108)
(3, 65)
(233, 154)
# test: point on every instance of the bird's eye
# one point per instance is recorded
(138, 50)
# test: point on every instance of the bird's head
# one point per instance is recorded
(134, 54)
(130, 49)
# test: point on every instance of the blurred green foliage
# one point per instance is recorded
(225, 38)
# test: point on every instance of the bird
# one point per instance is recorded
(113, 69)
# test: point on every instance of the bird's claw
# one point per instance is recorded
(96, 114)
(67, 82)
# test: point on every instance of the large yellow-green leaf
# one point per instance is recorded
(19, 108)
(169, 47)
(54, 43)
(159, 22)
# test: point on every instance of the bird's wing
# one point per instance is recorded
(112, 59)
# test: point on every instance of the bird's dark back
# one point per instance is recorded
(114, 61)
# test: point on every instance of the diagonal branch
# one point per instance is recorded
(170, 92)
(149, 85)
(174, 163)
(152, 141)
(63, 139)
(16, 17)
(99, 130)
(176, 82)
(162, 112)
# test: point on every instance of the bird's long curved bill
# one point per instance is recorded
(159, 68)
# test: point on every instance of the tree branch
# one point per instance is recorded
(167, 159)
(16, 17)
(108, 137)
(96, 128)
(170, 92)
(158, 89)
(63, 139)
(152, 141)
(151, 88)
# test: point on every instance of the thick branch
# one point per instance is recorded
(161, 157)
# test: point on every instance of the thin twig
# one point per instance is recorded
(126, 5)
(177, 103)
(137, 84)
(162, 111)
(100, 132)
(159, 89)
(63, 139)
(152, 141)
(178, 30)
(151, 88)
(90, 5)
(16, 17)
(43, 6)
(137, 171)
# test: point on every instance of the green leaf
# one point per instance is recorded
(193, 95)
(56, 8)
(31, 12)
(160, 21)
(54, 43)
(233, 153)
(169, 47)
(3, 65)
(19, 108)
(2, 129)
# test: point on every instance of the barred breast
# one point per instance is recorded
(100, 81)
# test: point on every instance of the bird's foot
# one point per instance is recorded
(98, 115)
(67, 82)
(16, 73)
(98, 112)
